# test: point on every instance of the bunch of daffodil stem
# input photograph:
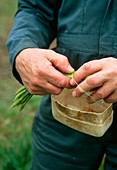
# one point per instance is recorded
(22, 96)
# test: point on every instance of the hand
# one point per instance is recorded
(102, 80)
(40, 71)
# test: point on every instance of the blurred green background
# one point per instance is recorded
(15, 127)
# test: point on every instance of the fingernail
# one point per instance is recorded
(90, 99)
(72, 83)
(74, 94)
(70, 68)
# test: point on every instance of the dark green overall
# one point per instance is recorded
(85, 30)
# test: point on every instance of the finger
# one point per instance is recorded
(52, 89)
(43, 90)
(58, 79)
(86, 70)
(112, 98)
(63, 65)
(91, 82)
(101, 93)
(52, 76)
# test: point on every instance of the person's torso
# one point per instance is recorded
(89, 26)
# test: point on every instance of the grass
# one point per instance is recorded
(15, 126)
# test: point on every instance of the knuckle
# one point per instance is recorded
(86, 66)
(100, 94)
(64, 58)
(111, 73)
(108, 100)
(51, 52)
(40, 72)
(57, 91)
(61, 83)
(91, 81)
(110, 59)
(31, 90)
(33, 82)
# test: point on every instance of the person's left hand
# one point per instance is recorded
(102, 80)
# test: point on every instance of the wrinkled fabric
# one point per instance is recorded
(82, 25)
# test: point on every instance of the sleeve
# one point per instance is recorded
(35, 26)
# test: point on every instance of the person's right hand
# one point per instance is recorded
(40, 71)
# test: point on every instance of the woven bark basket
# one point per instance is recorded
(93, 119)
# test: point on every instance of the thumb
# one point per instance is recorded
(61, 62)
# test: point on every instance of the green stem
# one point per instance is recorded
(23, 96)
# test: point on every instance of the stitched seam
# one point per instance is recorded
(80, 50)
(83, 8)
